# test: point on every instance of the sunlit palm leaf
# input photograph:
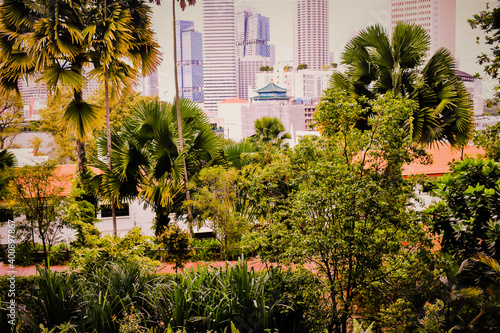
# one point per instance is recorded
(82, 117)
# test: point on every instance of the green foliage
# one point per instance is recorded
(266, 69)
(34, 193)
(221, 205)
(147, 160)
(122, 250)
(205, 249)
(11, 117)
(489, 140)
(488, 21)
(467, 216)
(176, 242)
(268, 137)
(348, 213)
(377, 64)
(301, 66)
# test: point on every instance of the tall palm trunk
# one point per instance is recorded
(81, 154)
(108, 129)
(178, 105)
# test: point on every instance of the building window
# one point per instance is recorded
(106, 211)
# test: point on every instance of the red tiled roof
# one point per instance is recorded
(233, 101)
(64, 175)
(441, 157)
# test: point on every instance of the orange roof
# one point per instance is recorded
(234, 101)
(65, 174)
(441, 158)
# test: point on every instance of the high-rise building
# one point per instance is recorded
(437, 17)
(248, 68)
(219, 54)
(150, 85)
(189, 61)
(252, 49)
(34, 96)
(311, 34)
(252, 34)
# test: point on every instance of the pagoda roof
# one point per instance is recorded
(271, 87)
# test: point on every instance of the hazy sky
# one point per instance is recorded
(346, 19)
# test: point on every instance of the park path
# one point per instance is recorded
(164, 268)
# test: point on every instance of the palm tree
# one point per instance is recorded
(56, 41)
(269, 134)
(147, 161)
(376, 64)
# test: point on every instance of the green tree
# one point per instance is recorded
(269, 136)
(86, 36)
(218, 199)
(489, 140)
(349, 213)
(376, 64)
(11, 118)
(467, 217)
(489, 22)
(176, 243)
(147, 160)
(34, 193)
(301, 66)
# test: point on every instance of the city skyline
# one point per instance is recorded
(345, 20)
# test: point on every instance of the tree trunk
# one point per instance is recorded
(81, 156)
(108, 130)
(178, 106)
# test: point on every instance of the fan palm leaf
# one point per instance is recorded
(81, 118)
(376, 64)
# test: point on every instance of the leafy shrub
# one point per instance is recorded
(176, 243)
(57, 255)
(205, 249)
(122, 250)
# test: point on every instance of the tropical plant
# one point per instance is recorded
(467, 217)
(376, 64)
(269, 136)
(221, 201)
(34, 193)
(11, 117)
(176, 242)
(86, 36)
(147, 160)
(489, 140)
(488, 21)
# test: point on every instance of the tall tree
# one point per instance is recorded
(489, 21)
(376, 64)
(147, 160)
(11, 117)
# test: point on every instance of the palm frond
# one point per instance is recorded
(81, 118)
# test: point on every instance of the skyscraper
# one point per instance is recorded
(437, 17)
(252, 49)
(219, 54)
(252, 34)
(311, 34)
(189, 61)
(150, 85)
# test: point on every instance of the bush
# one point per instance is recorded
(176, 243)
(205, 249)
(57, 255)
(121, 250)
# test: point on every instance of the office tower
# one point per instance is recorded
(34, 97)
(219, 54)
(248, 67)
(252, 50)
(311, 34)
(150, 85)
(189, 61)
(437, 17)
(252, 34)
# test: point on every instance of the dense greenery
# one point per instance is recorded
(111, 297)
(377, 64)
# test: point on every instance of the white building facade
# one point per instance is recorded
(311, 34)
(219, 54)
